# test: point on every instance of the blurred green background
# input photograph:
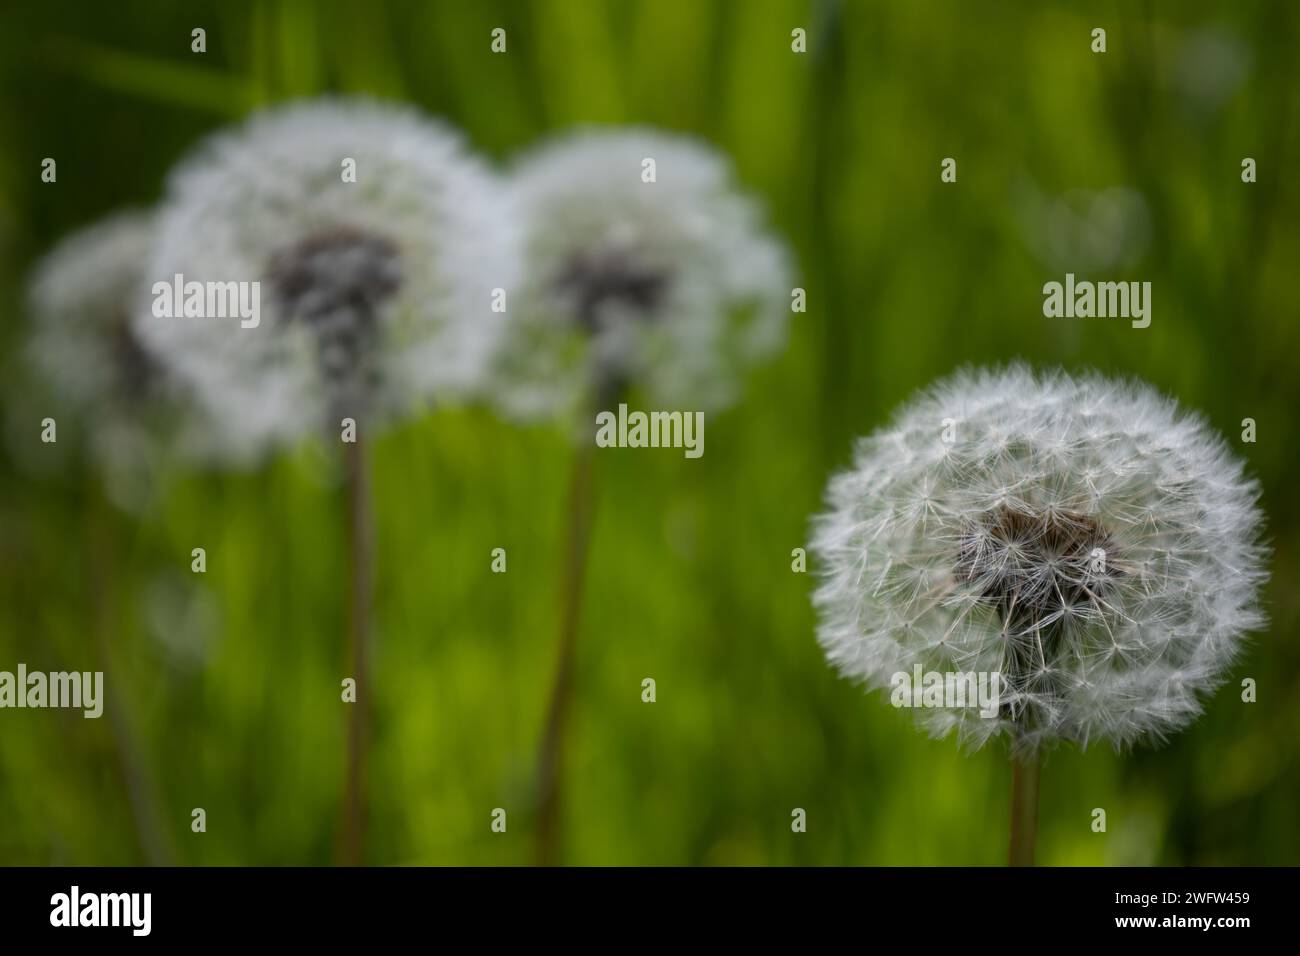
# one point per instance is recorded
(228, 682)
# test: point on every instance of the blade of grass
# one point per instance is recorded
(165, 81)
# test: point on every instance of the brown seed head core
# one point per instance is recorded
(1037, 568)
(334, 281)
(133, 366)
(335, 270)
(1034, 567)
(596, 280)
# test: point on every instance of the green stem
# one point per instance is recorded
(350, 851)
(1024, 810)
(551, 757)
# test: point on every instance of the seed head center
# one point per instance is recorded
(596, 280)
(1036, 567)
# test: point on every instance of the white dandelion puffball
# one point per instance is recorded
(671, 284)
(81, 295)
(376, 239)
(82, 348)
(1083, 538)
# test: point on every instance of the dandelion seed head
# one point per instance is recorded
(1084, 538)
(81, 297)
(674, 285)
(376, 294)
(88, 370)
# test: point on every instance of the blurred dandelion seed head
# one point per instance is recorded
(336, 271)
(1085, 230)
(1212, 66)
(675, 285)
(380, 290)
(1083, 537)
(81, 299)
(91, 372)
(336, 282)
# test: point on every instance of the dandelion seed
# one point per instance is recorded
(1152, 489)
(376, 294)
(82, 346)
(89, 367)
(1093, 544)
(673, 285)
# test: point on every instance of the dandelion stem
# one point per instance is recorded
(550, 761)
(361, 581)
(1024, 810)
